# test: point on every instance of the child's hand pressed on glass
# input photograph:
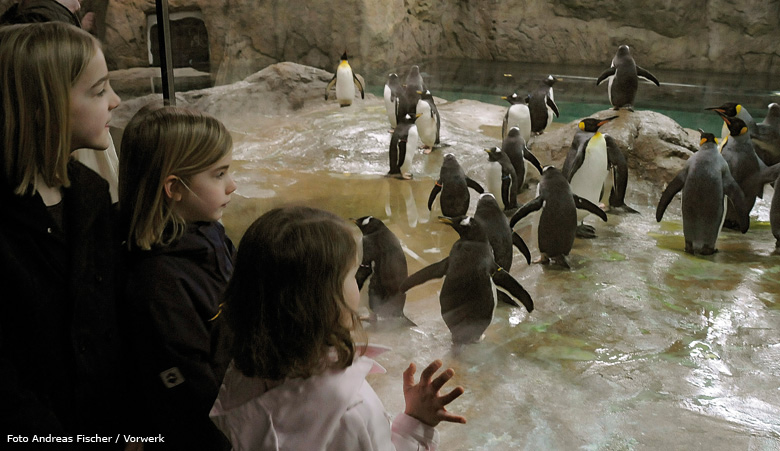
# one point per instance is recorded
(423, 401)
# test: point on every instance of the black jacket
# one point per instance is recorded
(180, 340)
(37, 11)
(60, 355)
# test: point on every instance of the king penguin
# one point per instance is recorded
(385, 263)
(392, 94)
(766, 138)
(428, 121)
(705, 181)
(733, 109)
(471, 277)
(346, 81)
(403, 145)
(514, 146)
(501, 178)
(453, 184)
(558, 217)
(623, 79)
(517, 115)
(541, 105)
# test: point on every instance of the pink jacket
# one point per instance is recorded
(336, 410)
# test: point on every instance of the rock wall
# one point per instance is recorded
(247, 35)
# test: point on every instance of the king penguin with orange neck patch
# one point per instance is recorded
(346, 82)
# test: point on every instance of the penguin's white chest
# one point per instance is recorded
(345, 87)
(426, 124)
(390, 106)
(588, 181)
(550, 112)
(493, 175)
(519, 116)
(412, 141)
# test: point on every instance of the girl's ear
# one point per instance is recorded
(173, 186)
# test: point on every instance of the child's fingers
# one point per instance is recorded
(425, 376)
(409, 376)
(447, 416)
(439, 382)
(451, 396)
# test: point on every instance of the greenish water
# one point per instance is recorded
(683, 95)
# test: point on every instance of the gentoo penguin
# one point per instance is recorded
(471, 276)
(705, 181)
(453, 184)
(413, 85)
(384, 261)
(587, 167)
(345, 81)
(514, 146)
(766, 138)
(623, 79)
(744, 165)
(403, 145)
(428, 120)
(392, 96)
(541, 105)
(501, 178)
(517, 115)
(558, 218)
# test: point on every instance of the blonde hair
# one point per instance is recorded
(160, 141)
(39, 64)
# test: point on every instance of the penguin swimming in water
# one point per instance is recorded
(517, 115)
(541, 106)
(453, 184)
(591, 157)
(558, 218)
(623, 79)
(766, 138)
(403, 145)
(385, 263)
(705, 181)
(744, 165)
(514, 146)
(392, 95)
(428, 121)
(471, 277)
(413, 85)
(502, 179)
(346, 81)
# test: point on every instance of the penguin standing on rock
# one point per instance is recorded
(428, 121)
(517, 115)
(514, 146)
(541, 105)
(591, 157)
(453, 184)
(502, 180)
(705, 181)
(623, 79)
(345, 81)
(471, 277)
(385, 263)
(403, 145)
(558, 218)
(392, 96)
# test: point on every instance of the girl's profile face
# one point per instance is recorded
(350, 289)
(208, 194)
(91, 103)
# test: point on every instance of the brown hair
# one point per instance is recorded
(285, 300)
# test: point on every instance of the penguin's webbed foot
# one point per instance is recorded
(707, 250)
(585, 231)
(544, 260)
(622, 209)
(427, 150)
(561, 260)
(405, 176)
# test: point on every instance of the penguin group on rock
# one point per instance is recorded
(719, 186)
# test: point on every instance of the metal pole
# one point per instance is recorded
(166, 59)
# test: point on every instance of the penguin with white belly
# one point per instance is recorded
(453, 184)
(501, 178)
(468, 295)
(392, 96)
(705, 182)
(591, 157)
(623, 76)
(428, 121)
(541, 106)
(346, 82)
(403, 145)
(514, 146)
(733, 109)
(558, 217)
(517, 115)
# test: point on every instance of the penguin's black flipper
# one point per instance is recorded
(532, 158)
(362, 274)
(585, 204)
(573, 162)
(358, 85)
(474, 185)
(640, 72)
(606, 74)
(506, 187)
(434, 271)
(511, 287)
(737, 199)
(519, 243)
(395, 167)
(330, 86)
(434, 192)
(526, 209)
(617, 161)
(553, 106)
(674, 187)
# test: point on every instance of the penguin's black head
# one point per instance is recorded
(468, 229)
(367, 224)
(774, 110)
(550, 80)
(592, 124)
(513, 99)
(392, 77)
(487, 200)
(414, 70)
(736, 126)
(549, 171)
(727, 109)
(623, 50)
(513, 132)
(344, 56)
(707, 138)
(426, 95)
(494, 153)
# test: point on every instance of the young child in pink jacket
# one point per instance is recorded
(297, 380)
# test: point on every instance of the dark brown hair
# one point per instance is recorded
(285, 300)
